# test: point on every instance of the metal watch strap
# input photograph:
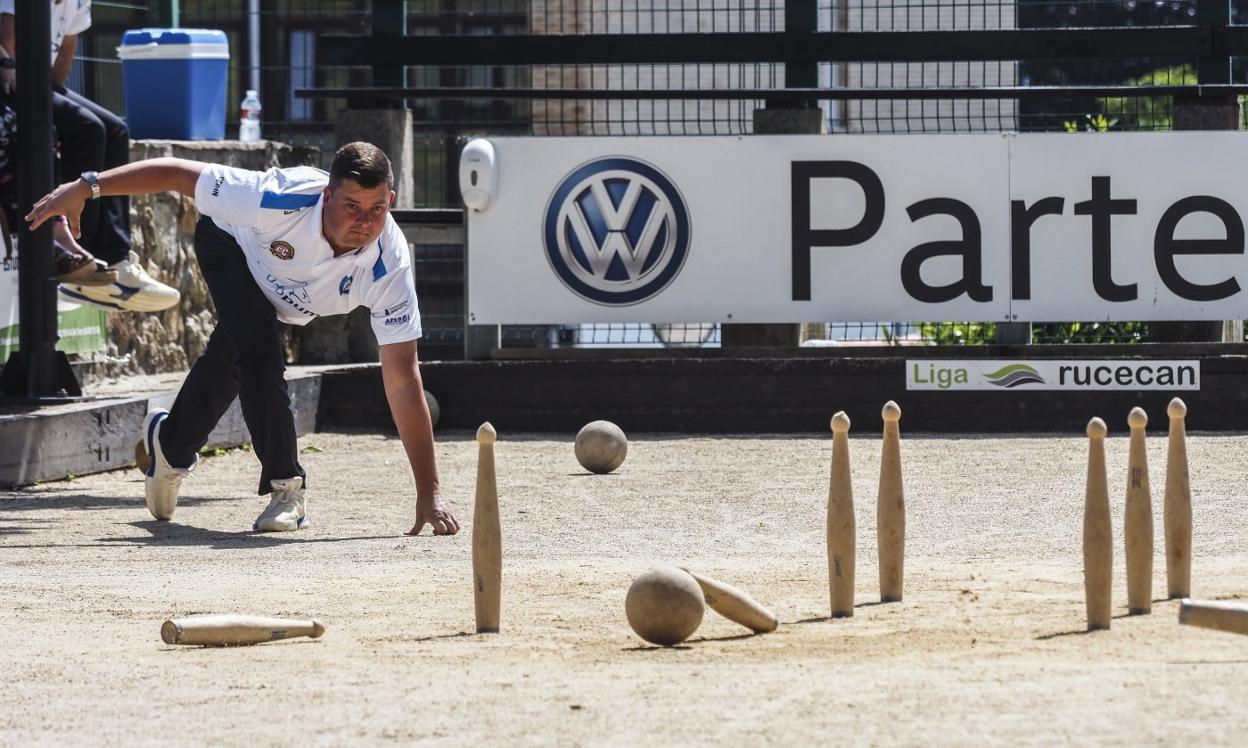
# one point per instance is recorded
(93, 180)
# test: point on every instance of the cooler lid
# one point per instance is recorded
(173, 44)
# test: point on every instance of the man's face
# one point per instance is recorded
(353, 215)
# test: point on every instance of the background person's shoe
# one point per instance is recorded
(133, 291)
(161, 480)
(79, 267)
(287, 508)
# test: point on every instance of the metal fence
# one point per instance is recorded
(291, 30)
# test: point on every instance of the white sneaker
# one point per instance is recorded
(162, 480)
(287, 507)
(133, 291)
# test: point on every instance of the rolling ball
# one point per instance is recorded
(434, 409)
(601, 446)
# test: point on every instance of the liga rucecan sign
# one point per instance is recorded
(1014, 375)
(1008, 227)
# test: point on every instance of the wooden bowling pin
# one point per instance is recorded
(1223, 616)
(841, 522)
(235, 630)
(736, 605)
(487, 540)
(1178, 506)
(890, 509)
(1098, 536)
(1138, 522)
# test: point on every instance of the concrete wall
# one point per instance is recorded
(723, 392)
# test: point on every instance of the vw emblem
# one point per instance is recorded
(616, 231)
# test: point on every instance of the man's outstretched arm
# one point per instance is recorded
(138, 178)
(400, 373)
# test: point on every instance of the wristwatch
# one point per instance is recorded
(93, 179)
(8, 62)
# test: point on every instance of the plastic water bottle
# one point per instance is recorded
(249, 118)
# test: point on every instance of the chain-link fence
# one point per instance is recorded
(290, 32)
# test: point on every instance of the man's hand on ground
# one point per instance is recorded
(434, 511)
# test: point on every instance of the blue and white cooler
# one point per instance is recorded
(175, 83)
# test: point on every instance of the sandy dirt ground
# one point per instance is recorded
(988, 646)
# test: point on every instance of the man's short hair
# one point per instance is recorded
(363, 163)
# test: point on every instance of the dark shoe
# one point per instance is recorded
(80, 268)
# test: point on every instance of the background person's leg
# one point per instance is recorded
(81, 134)
(109, 237)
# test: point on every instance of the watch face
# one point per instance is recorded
(93, 179)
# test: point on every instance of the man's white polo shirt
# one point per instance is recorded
(275, 216)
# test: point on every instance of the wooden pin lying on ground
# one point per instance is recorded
(1138, 522)
(1232, 617)
(487, 539)
(735, 605)
(235, 630)
(1098, 535)
(841, 528)
(890, 509)
(1177, 509)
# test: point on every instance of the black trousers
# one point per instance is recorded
(243, 358)
(94, 139)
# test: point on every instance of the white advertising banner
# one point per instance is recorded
(796, 228)
(1014, 375)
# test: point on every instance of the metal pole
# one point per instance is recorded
(35, 370)
(801, 15)
(166, 13)
(1213, 14)
(253, 44)
(389, 19)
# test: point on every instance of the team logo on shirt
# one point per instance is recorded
(395, 315)
(295, 293)
(390, 312)
(282, 250)
(344, 285)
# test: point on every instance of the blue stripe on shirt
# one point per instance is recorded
(279, 201)
(379, 267)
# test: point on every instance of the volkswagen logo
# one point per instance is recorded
(616, 231)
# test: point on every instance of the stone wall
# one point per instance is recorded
(163, 229)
